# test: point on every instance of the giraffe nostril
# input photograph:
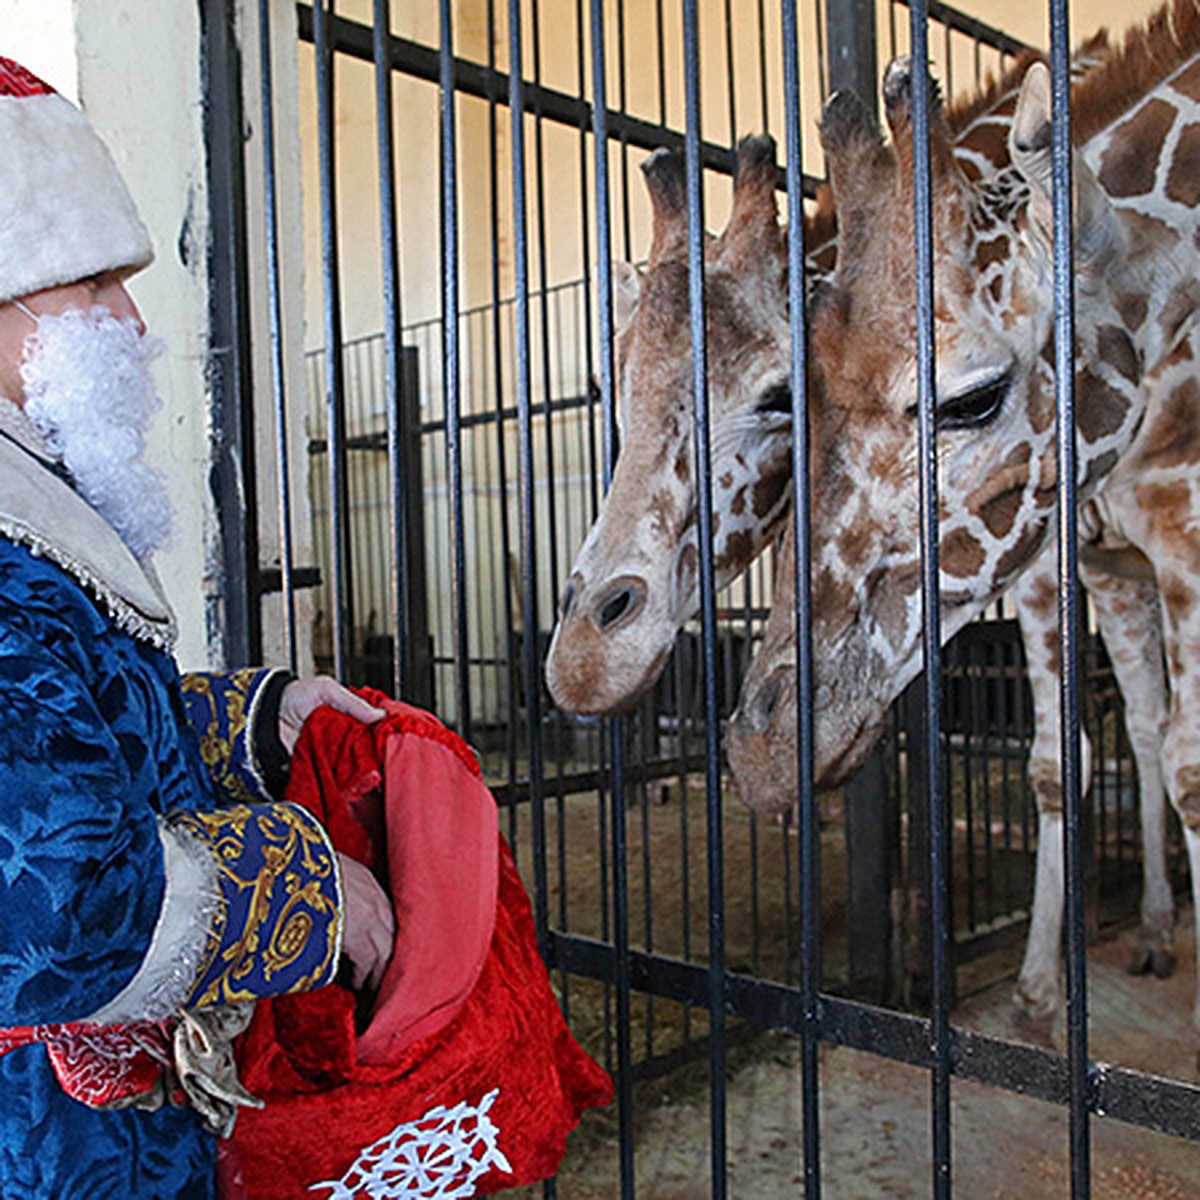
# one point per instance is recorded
(768, 703)
(621, 604)
(612, 610)
(568, 599)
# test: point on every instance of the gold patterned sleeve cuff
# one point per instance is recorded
(279, 926)
(223, 708)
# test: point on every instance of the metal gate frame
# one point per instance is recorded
(932, 1043)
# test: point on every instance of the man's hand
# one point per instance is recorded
(369, 926)
(302, 697)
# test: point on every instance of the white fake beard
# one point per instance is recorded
(90, 395)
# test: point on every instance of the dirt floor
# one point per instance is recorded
(874, 1112)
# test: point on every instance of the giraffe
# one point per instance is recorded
(634, 581)
(1137, 129)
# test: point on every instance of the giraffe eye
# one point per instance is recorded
(975, 408)
(776, 399)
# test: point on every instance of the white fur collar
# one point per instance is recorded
(40, 510)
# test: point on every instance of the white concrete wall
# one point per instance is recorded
(133, 66)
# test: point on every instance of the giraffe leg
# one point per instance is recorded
(1038, 995)
(1129, 617)
(1181, 746)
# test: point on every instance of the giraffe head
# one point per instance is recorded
(994, 397)
(635, 580)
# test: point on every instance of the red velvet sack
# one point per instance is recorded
(466, 1079)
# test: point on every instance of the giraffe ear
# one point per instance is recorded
(627, 291)
(1030, 145)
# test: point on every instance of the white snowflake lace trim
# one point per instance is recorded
(437, 1157)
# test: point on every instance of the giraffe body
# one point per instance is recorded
(1137, 121)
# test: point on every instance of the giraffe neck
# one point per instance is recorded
(1145, 161)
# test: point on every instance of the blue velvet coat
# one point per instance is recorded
(99, 739)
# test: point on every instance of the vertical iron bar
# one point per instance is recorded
(450, 360)
(516, 101)
(850, 35)
(585, 255)
(275, 304)
(810, 861)
(967, 721)
(230, 375)
(931, 616)
(660, 33)
(392, 338)
(621, 972)
(730, 69)
(708, 608)
(341, 591)
(506, 537)
(764, 98)
(1068, 601)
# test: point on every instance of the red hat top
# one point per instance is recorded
(16, 80)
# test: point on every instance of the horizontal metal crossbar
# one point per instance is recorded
(1132, 1097)
(972, 27)
(474, 79)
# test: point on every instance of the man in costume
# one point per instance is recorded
(151, 883)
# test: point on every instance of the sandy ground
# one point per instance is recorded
(875, 1130)
(875, 1135)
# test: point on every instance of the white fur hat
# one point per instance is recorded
(65, 212)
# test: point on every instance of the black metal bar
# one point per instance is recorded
(472, 79)
(510, 608)
(730, 68)
(1068, 602)
(528, 515)
(451, 370)
(620, 882)
(400, 514)
(708, 605)
(852, 54)
(342, 616)
(417, 647)
(931, 611)
(661, 44)
(1135, 1098)
(764, 98)
(287, 558)
(810, 830)
(232, 478)
(623, 102)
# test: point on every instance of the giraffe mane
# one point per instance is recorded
(1151, 51)
(960, 114)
